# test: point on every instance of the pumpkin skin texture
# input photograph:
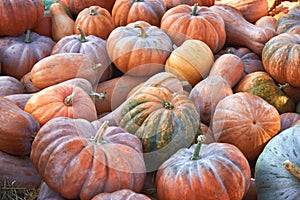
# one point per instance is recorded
(19, 99)
(27, 84)
(246, 121)
(124, 194)
(95, 20)
(129, 11)
(46, 193)
(261, 84)
(61, 100)
(15, 17)
(76, 166)
(18, 170)
(23, 52)
(10, 85)
(191, 61)
(17, 128)
(165, 121)
(173, 3)
(272, 180)
(290, 22)
(179, 177)
(194, 22)
(138, 48)
(287, 119)
(281, 58)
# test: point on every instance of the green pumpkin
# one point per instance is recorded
(261, 84)
(273, 180)
(164, 121)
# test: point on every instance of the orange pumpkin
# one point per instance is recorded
(173, 3)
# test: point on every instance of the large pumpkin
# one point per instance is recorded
(173, 3)
(213, 171)
(15, 17)
(277, 168)
(138, 48)
(79, 159)
(246, 121)
(281, 58)
(165, 121)
(184, 22)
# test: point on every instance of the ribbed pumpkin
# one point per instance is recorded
(79, 159)
(277, 168)
(95, 20)
(10, 85)
(124, 194)
(246, 121)
(184, 22)
(165, 121)
(173, 3)
(261, 84)
(23, 51)
(129, 11)
(19, 99)
(15, 19)
(139, 49)
(213, 171)
(290, 22)
(281, 58)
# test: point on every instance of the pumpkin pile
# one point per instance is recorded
(149, 99)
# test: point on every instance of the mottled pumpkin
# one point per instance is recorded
(289, 22)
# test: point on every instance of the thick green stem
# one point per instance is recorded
(82, 36)
(27, 37)
(196, 155)
(98, 137)
(195, 8)
(143, 32)
(292, 168)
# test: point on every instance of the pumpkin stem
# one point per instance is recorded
(168, 105)
(92, 12)
(143, 32)
(98, 137)
(82, 36)
(194, 12)
(96, 66)
(196, 155)
(97, 95)
(27, 37)
(286, 85)
(230, 51)
(292, 168)
(68, 101)
(138, 0)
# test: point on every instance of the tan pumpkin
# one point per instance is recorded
(191, 61)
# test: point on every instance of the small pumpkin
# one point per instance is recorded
(124, 194)
(184, 22)
(277, 168)
(79, 159)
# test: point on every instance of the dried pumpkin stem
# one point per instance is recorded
(92, 12)
(230, 51)
(194, 11)
(27, 37)
(82, 36)
(68, 101)
(286, 85)
(97, 66)
(200, 139)
(168, 105)
(97, 95)
(292, 168)
(143, 32)
(100, 132)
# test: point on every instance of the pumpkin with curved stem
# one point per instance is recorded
(138, 48)
(246, 121)
(173, 3)
(289, 22)
(277, 169)
(281, 59)
(79, 159)
(129, 11)
(15, 19)
(184, 22)
(202, 172)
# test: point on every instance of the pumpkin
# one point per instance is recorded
(280, 58)
(23, 52)
(79, 159)
(124, 194)
(10, 85)
(165, 121)
(46, 193)
(27, 84)
(240, 32)
(17, 128)
(191, 61)
(19, 99)
(230, 67)
(139, 49)
(293, 92)
(252, 10)
(289, 23)
(68, 65)
(93, 46)
(95, 20)
(261, 84)
(184, 22)
(277, 167)
(15, 19)
(267, 22)
(61, 100)
(246, 121)
(173, 3)
(206, 95)
(202, 172)
(17, 171)
(287, 119)
(129, 11)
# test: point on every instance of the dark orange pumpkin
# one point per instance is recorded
(184, 22)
